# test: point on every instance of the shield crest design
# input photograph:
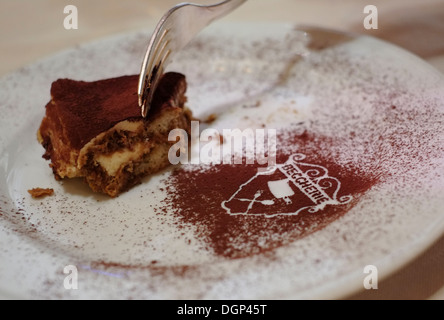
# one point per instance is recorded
(287, 189)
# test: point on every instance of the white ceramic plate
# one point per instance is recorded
(381, 107)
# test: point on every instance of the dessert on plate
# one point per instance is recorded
(94, 130)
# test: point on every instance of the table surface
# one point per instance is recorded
(33, 29)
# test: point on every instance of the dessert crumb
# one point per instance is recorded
(38, 193)
(211, 118)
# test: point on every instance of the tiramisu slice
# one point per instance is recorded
(95, 130)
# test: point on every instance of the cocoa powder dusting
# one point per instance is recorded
(196, 194)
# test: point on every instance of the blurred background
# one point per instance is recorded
(33, 29)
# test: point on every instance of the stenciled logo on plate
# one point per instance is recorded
(287, 189)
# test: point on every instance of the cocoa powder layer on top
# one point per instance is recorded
(86, 109)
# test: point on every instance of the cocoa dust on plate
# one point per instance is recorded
(262, 223)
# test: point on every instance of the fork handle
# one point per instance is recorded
(221, 9)
(204, 16)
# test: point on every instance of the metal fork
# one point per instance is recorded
(173, 32)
